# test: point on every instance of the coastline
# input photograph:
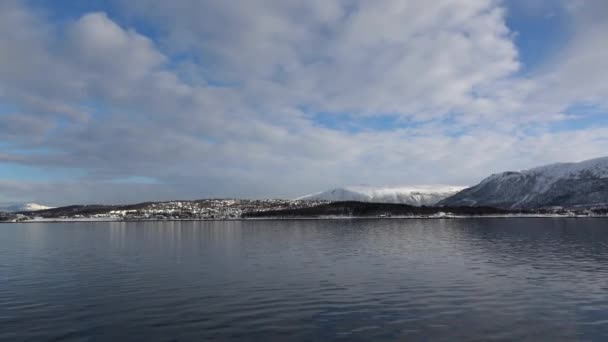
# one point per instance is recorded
(320, 218)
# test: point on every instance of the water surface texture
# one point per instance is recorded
(310, 280)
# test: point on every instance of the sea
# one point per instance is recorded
(478, 279)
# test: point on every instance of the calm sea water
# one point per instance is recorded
(334, 280)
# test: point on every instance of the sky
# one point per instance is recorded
(124, 101)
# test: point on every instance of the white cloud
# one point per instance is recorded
(403, 57)
(232, 117)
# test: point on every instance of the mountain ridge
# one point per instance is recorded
(582, 184)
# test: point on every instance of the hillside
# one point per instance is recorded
(583, 184)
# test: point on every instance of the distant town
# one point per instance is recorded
(206, 209)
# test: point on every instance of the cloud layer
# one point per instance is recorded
(191, 99)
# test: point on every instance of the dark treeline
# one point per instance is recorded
(363, 209)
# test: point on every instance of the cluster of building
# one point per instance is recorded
(219, 209)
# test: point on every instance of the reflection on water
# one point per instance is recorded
(344, 280)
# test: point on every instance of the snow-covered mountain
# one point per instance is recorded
(25, 207)
(417, 195)
(583, 184)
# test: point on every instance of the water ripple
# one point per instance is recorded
(345, 280)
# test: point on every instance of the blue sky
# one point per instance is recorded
(540, 31)
(125, 101)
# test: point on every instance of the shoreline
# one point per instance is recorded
(320, 218)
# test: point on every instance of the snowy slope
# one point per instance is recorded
(418, 195)
(25, 207)
(562, 184)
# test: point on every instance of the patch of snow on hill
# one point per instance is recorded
(547, 175)
(597, 167)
